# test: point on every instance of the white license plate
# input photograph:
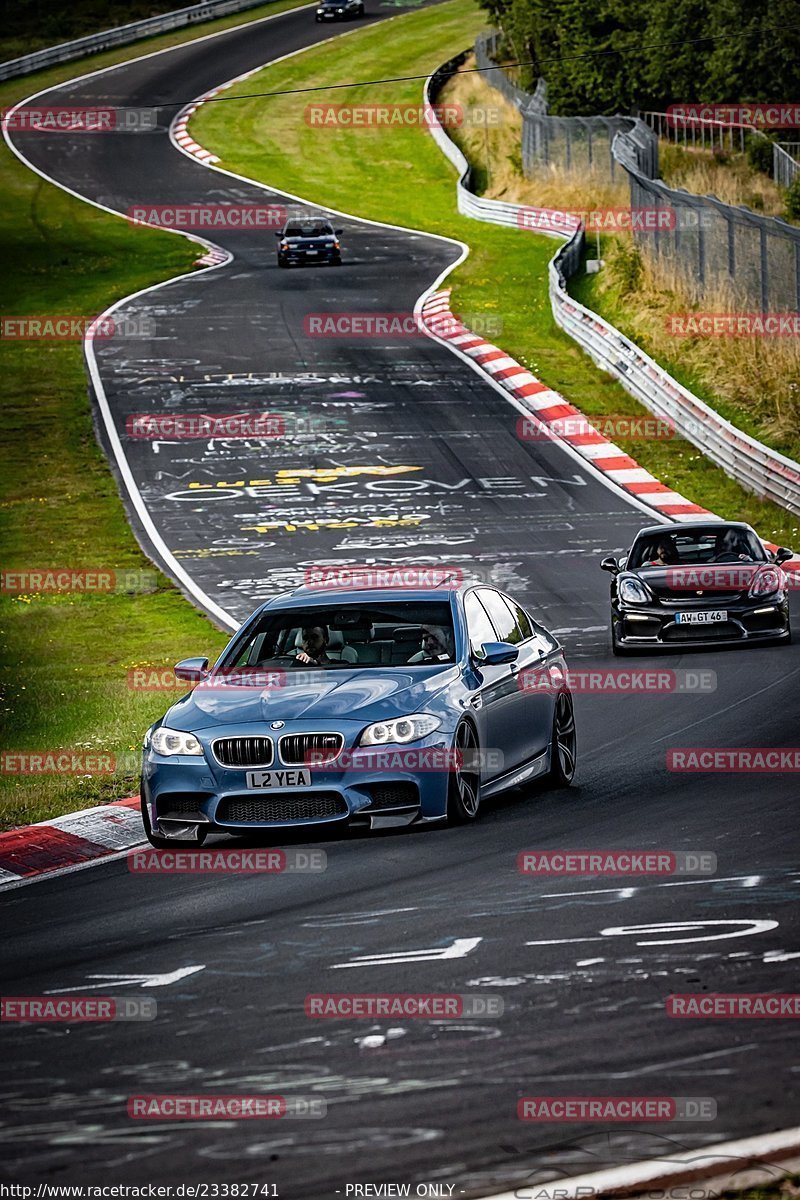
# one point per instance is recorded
(701, 618)
(298, 778)
(312, 251)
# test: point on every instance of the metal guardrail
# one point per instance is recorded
(122, 35)
(703, 134)
(713, 243)
(785, 162)
(498, 212)
(755, 466)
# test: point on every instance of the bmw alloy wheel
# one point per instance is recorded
(464, 792)
(564, 743)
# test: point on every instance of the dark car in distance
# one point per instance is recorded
(339, 10)
(706, 583)
(308, 240)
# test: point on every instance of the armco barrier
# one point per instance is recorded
(122, 35)
(755, 466)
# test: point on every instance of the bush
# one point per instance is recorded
(759, 153)
(793, 199)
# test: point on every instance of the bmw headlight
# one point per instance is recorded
(401, 729)
(633, 591)
(173, 741)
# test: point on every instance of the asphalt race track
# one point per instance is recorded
(584, 984)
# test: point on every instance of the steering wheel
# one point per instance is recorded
(289, 658)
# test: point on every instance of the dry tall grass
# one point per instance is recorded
(733, 181)
(760, 375)
(495, 152)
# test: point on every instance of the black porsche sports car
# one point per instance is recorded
(700, 583)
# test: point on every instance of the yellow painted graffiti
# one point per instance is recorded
(295, 526)
(315, 474)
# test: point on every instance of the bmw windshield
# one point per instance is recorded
(330, 637)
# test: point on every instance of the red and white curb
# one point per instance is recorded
(714, 1169)
(550, 408)
(183, 137)
(67, 843)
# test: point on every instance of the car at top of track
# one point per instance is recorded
(701, 583)
(309, 239)
(361, 706)
(338, 10)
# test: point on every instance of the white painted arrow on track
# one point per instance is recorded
(460, 948)
(144, 981)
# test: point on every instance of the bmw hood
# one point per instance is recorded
(367, 695)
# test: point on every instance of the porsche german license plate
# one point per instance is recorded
(701, 618)
(297, 778)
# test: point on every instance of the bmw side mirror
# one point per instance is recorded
(192, 669)
(496, 653)
(338, 231)
(278, 233)
(783, 554)
(610, 564)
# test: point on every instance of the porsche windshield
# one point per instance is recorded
(712, 544)
(395, 634)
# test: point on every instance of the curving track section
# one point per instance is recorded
(414, 457)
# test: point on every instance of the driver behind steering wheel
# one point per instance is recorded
(315, 646)
(732, 546)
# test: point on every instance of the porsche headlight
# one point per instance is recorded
(633, 591)
(172, 741)
(766, 581)
(401, 729)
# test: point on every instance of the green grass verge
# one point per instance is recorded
(400, 176)
(65, 659)
(782, 1189)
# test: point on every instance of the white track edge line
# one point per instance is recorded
(647, 1172)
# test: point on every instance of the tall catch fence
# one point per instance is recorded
(714, 247)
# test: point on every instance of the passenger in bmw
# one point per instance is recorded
(315, 646)
(435, 645)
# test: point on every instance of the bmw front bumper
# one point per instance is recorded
(368, 790)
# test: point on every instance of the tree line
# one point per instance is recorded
(614, 56)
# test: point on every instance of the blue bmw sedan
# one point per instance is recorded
(361, 707)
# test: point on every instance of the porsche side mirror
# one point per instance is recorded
(278, 233)
(783, 554)
(192, 669)
(610, 564)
